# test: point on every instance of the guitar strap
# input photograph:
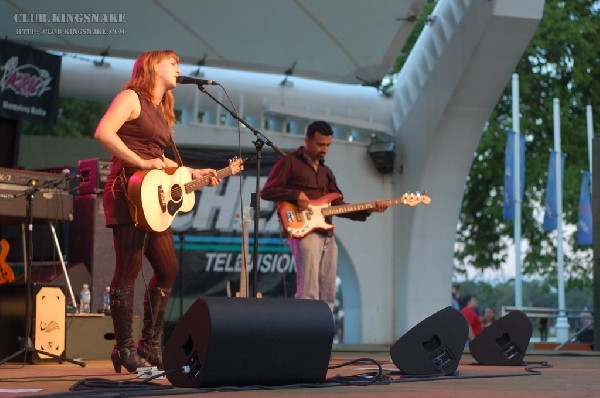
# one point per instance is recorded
(176, 153)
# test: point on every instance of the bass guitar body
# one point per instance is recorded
(299, 223)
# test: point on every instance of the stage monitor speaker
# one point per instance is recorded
(434, 346)
(504, 342)
(48, 321)
(250, 341)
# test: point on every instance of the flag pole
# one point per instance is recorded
(590, 136)
(517, 188)
(562, 324)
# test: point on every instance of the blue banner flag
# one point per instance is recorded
(508, 210)
(550, 212)
(584, 224)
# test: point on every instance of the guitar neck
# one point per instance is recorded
(205, 180)
(244, 261)
(352, 207)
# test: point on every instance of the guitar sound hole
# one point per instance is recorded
(176, 193)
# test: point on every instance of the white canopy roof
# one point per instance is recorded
(346, 41)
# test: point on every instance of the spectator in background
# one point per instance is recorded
(586, 317)
(488, 317)
(469, 310)
(542, 323)
(456, 296)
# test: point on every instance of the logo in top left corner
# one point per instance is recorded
(27, 80)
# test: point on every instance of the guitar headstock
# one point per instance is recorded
(236, 165)
(413, 199)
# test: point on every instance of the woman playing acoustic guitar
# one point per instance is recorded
(136, 129)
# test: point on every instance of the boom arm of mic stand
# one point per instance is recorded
(255, 201)
(257, 133)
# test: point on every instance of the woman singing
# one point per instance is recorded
(135, 130)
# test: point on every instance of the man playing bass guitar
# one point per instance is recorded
(300, 177)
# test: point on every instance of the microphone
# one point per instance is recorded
(193, 80)
(71, 176)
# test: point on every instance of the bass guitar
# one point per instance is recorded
(7, 274)
(298, 223)
(156, 196)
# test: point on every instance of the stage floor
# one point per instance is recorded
(571, 374)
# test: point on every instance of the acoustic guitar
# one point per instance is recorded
(156, 196)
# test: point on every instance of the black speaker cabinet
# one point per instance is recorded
(48, 313)
(433, 346)
(249, 341)
(504, 342)
(9, 137)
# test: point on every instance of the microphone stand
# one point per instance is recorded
(28, 346)
(261, 140)
(181, 239)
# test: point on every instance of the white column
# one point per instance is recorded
(562, 324)
(516, 116)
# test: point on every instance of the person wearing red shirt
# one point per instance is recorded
(469, 311)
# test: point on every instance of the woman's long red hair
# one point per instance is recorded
(143, 79)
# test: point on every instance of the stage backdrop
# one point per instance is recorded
(208, 239)
(29, 83)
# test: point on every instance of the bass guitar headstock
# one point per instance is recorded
(415, 198)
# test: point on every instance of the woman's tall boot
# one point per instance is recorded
(149, 347)
(121, 309)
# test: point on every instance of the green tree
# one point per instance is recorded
(76, 118)
(560, 62)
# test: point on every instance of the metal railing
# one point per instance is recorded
(584, 319)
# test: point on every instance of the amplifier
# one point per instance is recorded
(51, 200)
(29, 178)
(94, 173)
